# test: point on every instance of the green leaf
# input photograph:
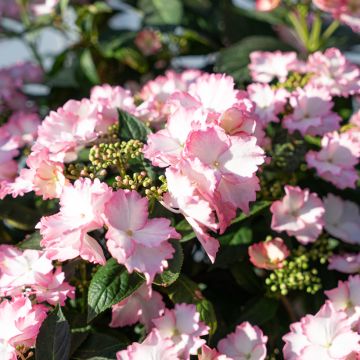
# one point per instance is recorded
(186, 231)
(132, 58)
(171, 274)
(99, 347)
(131, 128)
(162, 12)
(88, 67)
(17, 215)
(235, 59)
(31, 241)
(254, 209)
(185, 290)
(259, 311)
(245, 277)
(53, 341)
(111, 284)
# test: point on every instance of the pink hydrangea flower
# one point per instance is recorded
(269, 102)
(43, 176)
(8, 166)
(312, 113)
(156, 92)
(142, 306)
(211, 354)
(346, 297)
(336, 160)
(334, 73)
(9, 9)
(65, 234)
(148, 41)
(133, 239)
(68, 129)
(246, 343)
(109, 99)
(326, 336)
(347, 11)
(265, 66)
(346, 263)
(22, 128)
(269, 254)
(300, 213)
(32, 272)
(342, 219)
(21, 268)
(355, 119)
(183, 326)
(26, 72)
(23, 321)
(153, 347)
(267, 5)
(53, 288)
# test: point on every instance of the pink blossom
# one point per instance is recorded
(109, 99)
(355, 119)
(342, 219)
(211, 354)
(300, 213)
(183, 326)
(143, 305)
(267, 5)
(43, 176)
(9, 8)
(156, 92)
(68, 129)
(215, 92)
(53, 288)
(21, 268)
(153, 347)
(65, 234)
(326, 336)
(312, 113)
(165, 147)
(8, 166)
(347, 11)
(346, 263)
(334, 73)
(23, 321)
(247, 342)
(269, 102)
(26, 72)
(133, 239)
(184, 196)
(346, 297)
(148, 41)
(265, 65)
(336, 160)
(43, 7)
(269, 254)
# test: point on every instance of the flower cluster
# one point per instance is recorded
(200, 119)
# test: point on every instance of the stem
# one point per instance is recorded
(314, 40)
(299, 28)
(330, 30)
(288, 308)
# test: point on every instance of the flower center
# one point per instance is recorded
(130, 232)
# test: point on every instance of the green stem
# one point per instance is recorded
(314, 40)
(299, 28)
(329, 31)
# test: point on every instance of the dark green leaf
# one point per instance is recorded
(245, 277)
(99, 347)
(17, 215)
(173, 271)
(185, 290)
(259, 311)
(88, 67)
(111, 284)
(53, 341)
(31, 241)
(162, 12)
(132, 128)
(132, 58)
